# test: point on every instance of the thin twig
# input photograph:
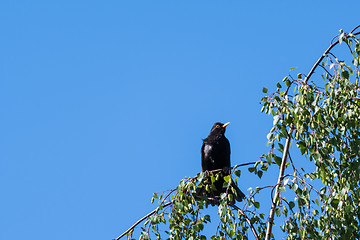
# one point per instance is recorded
(245, 164)
(247, 220)
(142, 219)
(272, 191)
(326, 70)
(310, 186)
(236, 166)
(355, 29)
(325, 53)
(349, 48)
(254, 193)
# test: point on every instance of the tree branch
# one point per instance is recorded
(169, 203)
(326, 52)
(310, 186)
(225, 169)
(355, 29)
(279, 183)
(142, 219)
(247, 220)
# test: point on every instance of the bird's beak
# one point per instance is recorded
(226, 124)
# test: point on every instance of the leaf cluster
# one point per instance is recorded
(185, 220)
(324, 116)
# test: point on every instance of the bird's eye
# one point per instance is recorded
(217, 126)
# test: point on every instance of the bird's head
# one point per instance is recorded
(219, 128)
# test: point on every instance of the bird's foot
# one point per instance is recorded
(206, 172)
(226, 169)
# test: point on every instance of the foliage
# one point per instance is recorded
(324, 115)
(184, 218)
(320, 114)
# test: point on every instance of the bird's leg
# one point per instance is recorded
(226, 170)
(206, 172)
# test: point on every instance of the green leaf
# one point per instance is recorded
(341, 35)
(223, 195)
(277, 160)
(200, 176)
(294, 187)
(345, 74)
(155, 196)
(265, 90)
(213, 179)
(288, 83)
(227, 178)
(268, 158)
(334, 203)
(277, 211)
(237, 172)
(276, 119)
(281, 147)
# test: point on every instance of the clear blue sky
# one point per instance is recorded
(105, 102)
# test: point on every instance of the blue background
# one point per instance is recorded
(104, 103)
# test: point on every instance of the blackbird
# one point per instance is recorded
(215, 154)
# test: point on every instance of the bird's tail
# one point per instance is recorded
(239, 195)
(214, 194)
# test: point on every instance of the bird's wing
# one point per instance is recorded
(205, 156)
(228, 152)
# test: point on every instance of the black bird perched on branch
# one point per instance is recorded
(215, 155)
